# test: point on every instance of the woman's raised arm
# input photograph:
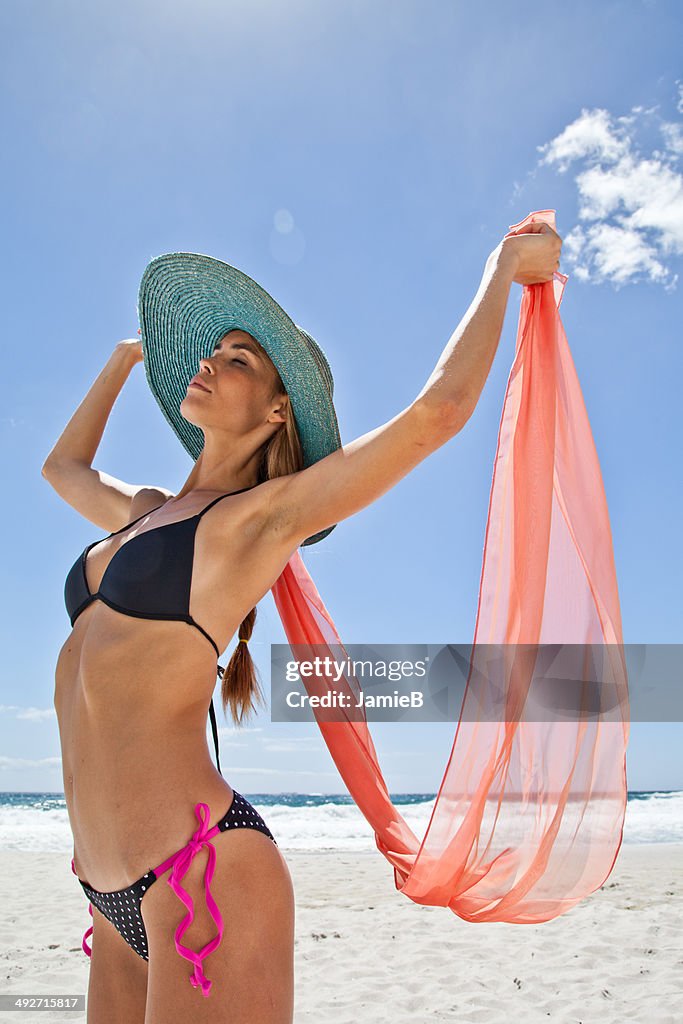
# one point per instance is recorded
(343, 483)
(99, 497)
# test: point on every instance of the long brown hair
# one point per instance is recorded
(281, 455)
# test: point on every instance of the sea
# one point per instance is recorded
(316, 821)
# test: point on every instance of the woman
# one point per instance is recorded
(270, 475)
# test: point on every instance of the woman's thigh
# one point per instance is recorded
(252, 969)
(117, 985)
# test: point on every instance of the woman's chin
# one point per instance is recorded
(186, 411)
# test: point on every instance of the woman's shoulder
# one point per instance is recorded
(146, 499)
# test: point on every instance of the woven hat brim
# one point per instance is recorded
(186, 302)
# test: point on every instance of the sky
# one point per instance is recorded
(360, 161)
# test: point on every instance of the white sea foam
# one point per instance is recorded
(314, 822)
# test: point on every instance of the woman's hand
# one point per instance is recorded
(131, 349)
(534, 253)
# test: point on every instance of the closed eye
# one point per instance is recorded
(240, 361)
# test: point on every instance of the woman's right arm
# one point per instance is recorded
(99, 497)
(358, 473)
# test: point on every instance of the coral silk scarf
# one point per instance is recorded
(528, 819)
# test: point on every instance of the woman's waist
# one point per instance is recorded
(125, 822)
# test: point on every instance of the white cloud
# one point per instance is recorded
(14, 763)
(30, 714)
(630, 205)
(234, 737)
(590, 136)
(673, 136)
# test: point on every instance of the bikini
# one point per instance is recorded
(150, 577)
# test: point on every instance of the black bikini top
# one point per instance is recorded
(149, 577)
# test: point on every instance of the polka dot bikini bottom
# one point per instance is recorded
(123, 908)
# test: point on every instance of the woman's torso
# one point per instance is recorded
(132, 694)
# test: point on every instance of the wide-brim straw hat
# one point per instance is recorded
(186, 302)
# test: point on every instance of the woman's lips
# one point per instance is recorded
(196, 384)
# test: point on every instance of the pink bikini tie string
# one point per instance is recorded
(84, 945)
(181, 862)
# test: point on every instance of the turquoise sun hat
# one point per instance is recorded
(186, 302)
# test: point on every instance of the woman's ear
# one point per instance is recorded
(279, 410)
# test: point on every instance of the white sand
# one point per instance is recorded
(367, 954)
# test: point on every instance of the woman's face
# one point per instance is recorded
(233, 389)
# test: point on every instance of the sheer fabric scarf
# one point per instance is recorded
(529, 815)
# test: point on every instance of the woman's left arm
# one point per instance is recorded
(343, 483)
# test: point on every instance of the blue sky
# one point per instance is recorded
(360, 160)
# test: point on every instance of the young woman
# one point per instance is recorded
(153, 603)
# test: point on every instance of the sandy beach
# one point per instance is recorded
(366, 953)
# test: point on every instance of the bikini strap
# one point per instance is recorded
(212, 713)
(220, 498)
(214, 730)
(133, 521)
(198, 516)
